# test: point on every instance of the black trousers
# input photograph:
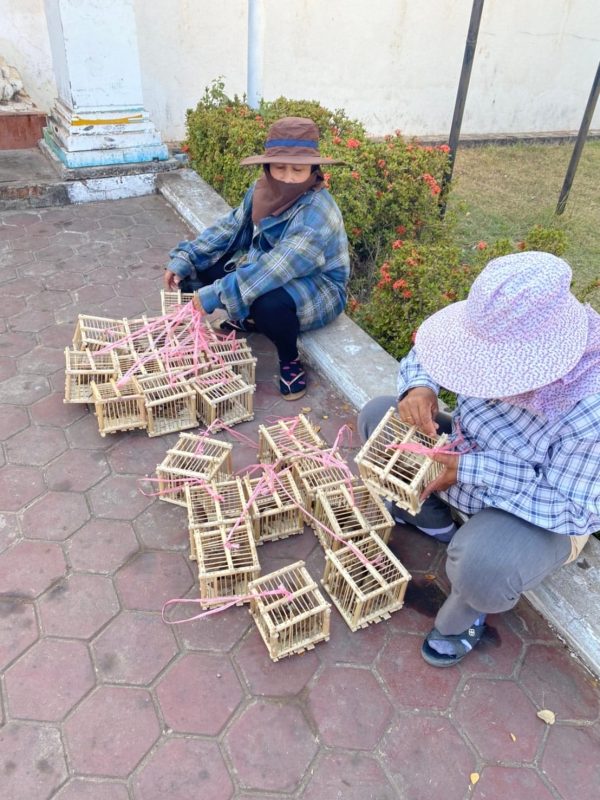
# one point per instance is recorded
(274, 313)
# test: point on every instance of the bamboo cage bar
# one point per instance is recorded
(369, 592)
(211, 504)
(226, 571)
(118, 408)
(398, 475)
(351, 512)
(277, 512)
(222, 395)
(149, 365)
(290, 624)
(235, 354)
(172, 300)
(81, 368)
(191, 458)
(170, 403)
(287, 440)
(140, 343)
(97, 332)
(311, 474)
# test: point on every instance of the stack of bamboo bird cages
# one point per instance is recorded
(214, 504)
(183, 370)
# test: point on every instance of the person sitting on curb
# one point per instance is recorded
(523, 355)
(279, 262)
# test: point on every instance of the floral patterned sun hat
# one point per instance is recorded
(520, 328)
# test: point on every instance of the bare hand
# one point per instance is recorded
(447, 478)
(419, 407)
(171, 281)
(197, 303)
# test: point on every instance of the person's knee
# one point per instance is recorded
(483, 579)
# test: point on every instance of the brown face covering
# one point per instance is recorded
(272, 197)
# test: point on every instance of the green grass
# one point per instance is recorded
(502, 191)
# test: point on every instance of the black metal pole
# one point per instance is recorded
(461, 96)
(581, 137)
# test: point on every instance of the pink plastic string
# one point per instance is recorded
(229, 601)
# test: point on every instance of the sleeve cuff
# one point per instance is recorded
(209, 298)
(180, 267)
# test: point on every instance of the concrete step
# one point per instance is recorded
(360, 370)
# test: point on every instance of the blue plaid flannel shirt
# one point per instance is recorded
(547, 473)
(304, 250)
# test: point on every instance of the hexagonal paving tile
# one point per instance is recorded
(12, 420)
(271, 747)
(52, 411)
(8, 366)
(80, 789)
(134, 648)
(349, 776)
(428, 758)
(418, 552)
(102, 545)
(78, 606)
(181, 769)
(29, 568)
(118, 497)
(35, 446)
(84, 435)
(76, 470)
(518, 784)
(9, 306)
(553, 680)
(490, 711)
(136, 454)
(55, 516)
(218, 633)
(570, 759)
(349, 707)
(25, 389)
(18, 628)
(16, 342)
(48, 300)
(265, 677)
(42, 361)
(150, 579)
(33, 761)
(411, 682)
(10, 530)
(48, 680)
(19, 486)
(163, 526)
(347, 647)
(97, 741)
(33, 321)
(199, 693)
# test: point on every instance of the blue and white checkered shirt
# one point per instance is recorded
(304, 250)
(547, 473)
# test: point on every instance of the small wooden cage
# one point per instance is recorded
(294, 622)
(210, 504)
(235, 354)
(81, 368)
(398, 475)
(365, 589)
(191, 458)
(351, 510)
(287, 440)
(171, 300)
(139, 337)
(170, 403)
(148, 364)
(223, 397)
(226, 571)
(98, 332)
(277, 511)
(118, 408)
(312, 473)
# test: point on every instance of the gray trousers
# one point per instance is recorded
(492, 558)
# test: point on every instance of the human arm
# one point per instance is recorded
(417, 393)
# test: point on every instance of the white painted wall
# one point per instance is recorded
(391, 63)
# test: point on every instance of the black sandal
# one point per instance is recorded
(240, 325)
(463, 643)
(292, 379)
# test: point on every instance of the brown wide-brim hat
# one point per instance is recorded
(291, 140)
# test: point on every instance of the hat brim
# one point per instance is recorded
(310, 160)
(471, 365)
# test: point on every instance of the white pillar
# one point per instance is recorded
(99, 116)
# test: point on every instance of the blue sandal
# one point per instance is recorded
(462, 643)
(292, 379)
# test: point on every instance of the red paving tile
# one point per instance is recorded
(359, 716)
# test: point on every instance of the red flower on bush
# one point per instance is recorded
(353, 144)
(521, 245)
(356, 231)
(381, 163)
(353, 304)
(444, 148)
(412, 262)
(434, 187)
(407, 293)
(355, 175)
(399, 284)
(384, 270)
(337, 140)
(400, 229)
(481, 245)
(327, 178)
(185, 148)
(397, 244)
